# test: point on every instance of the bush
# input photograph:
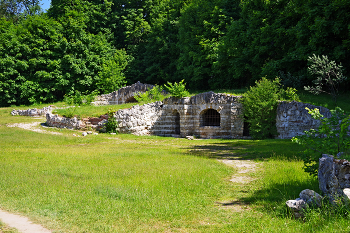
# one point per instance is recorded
(260, 106)
(177, 89)
(112, 124)
(154, 94)
(330, 138)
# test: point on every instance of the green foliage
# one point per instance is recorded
(79, 99)
(177, 90)
(42, 59)
(154, 94)
(111, 125)
(260, 106)
(111, 77)
(328, 74)
(332, 137)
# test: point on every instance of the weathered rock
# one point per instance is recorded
(84, 134)
(328, 181)
(124, 94)
(293, 119)
(32, 112)
(311, 197)
(63, 122)
(297, 206)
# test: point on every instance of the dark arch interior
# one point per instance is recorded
(177, 122)
(210, 117)
(131, 100)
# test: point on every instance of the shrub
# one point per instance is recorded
(330, 138)
(112, 124)
(154, 94)
(328, 74)
(260, 106)
(177, 89)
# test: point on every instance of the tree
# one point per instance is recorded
(328, 74)
(15, 9)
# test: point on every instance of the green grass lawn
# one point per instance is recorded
(125, 183)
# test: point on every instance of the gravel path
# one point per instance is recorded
(32, 126)
(22, 224)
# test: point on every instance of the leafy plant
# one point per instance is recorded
(260, 106)
(112, 124)
(154, 94)
(332, 137)
(177, 89)
(328, 74)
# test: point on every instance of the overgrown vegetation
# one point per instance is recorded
(112, 124)
(260, 106)
(152, 95)
(177, 90)
(332, 137)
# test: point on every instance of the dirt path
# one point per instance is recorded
(242, 178)
(35, 126)
(22, 224)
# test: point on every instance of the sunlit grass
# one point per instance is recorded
(125, 183)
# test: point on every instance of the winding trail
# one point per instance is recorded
(22, 224)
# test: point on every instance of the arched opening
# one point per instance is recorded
(131, 100)
(210, 117)
(176, 122)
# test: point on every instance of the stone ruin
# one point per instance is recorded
(209, 115)
(334, 183)
(32, 112)
(292, 119)
(123, 95)
(206, 115)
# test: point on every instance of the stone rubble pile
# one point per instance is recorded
(63, 122)
(334, 182)
(32, 112)
(138, 120)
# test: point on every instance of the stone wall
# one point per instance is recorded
(63, 122)
(32, 112)
(182, 117)
(123, 95)
(293, 119)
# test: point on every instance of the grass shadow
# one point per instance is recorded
(247, 149)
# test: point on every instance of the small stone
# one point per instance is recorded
(311, 197)
(95, 133)
(190, 137)
(347, 192)
(74, 135)
(84, 134)
(113, 133)
(89, 132)
(297, 206)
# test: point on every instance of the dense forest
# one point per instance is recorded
(100, 45)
